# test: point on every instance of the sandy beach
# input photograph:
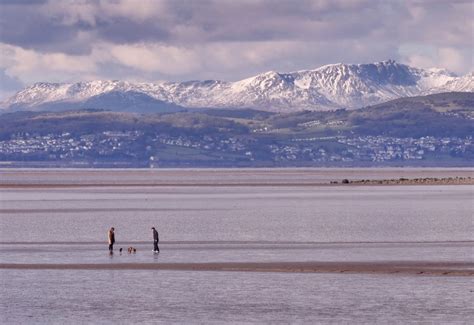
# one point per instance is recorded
(294, 177)
(254, 242)
(414, 268)
(345, 182)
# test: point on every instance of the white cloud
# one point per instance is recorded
(31, 66)
(170, 60)
(454, 59)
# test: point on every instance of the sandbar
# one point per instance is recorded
(414, 268)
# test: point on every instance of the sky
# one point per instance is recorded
(145, 40)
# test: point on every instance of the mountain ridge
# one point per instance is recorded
(328, 87)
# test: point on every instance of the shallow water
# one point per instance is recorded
(237, 252)
(197, 224)
(284, 213)
(215, 297)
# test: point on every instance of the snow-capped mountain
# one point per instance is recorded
(329, 87)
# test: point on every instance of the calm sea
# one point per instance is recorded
(232, 221)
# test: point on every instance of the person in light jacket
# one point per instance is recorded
(156, 239)
(111, 236)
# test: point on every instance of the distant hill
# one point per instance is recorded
(335, 86)
(443, 114)
(446, 114)
(434, 130)
(90, 121)
(443, 102)
(117, 101)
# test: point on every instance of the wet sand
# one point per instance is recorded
(356, 182)
(25, 179)
(70, 178)
(413, 268)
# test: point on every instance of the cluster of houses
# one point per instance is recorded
(130, 144)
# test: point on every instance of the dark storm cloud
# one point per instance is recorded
(122, 30)
(30, 29)
(268, 20)
(25, 24)
(46, 28)
(53, 26)
(22, 2)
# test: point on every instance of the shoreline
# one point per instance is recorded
(393, 268)
(339, 183)
(244, 242)
(277, 177)
(411, 181)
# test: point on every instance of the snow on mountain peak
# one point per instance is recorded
(327, 87)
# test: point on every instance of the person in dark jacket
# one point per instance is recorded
(156, 239)
(111, 237)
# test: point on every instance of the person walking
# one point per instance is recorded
(156, 239)
(111, 236)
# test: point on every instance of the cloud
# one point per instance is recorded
(8, 85)
(30, 66)
(170, 60)
(454, 59)
(426, 56)
(185, 22)
(178, 39)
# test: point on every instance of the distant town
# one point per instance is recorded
(139, 149)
